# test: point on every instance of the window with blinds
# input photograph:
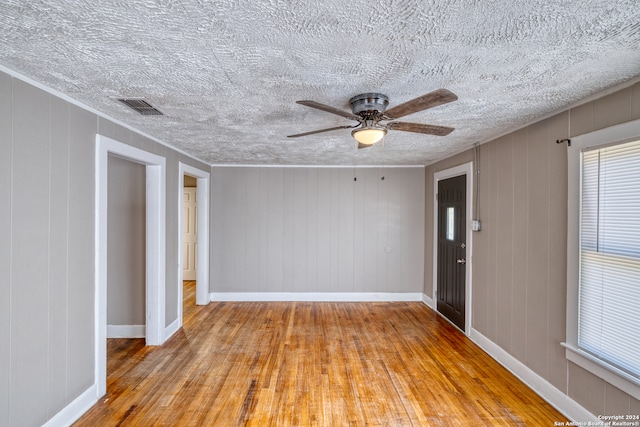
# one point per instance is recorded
(609, 264)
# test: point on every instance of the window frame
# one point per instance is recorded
(625, 132)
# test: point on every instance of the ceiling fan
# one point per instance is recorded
(370, 109)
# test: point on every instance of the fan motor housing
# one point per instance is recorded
(369, 102)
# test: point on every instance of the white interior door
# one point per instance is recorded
(189, 236)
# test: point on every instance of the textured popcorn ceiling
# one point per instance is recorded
(227, 73)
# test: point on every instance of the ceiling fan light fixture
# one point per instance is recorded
(369, 109)
(368, 135)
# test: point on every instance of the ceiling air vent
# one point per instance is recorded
(141, 106)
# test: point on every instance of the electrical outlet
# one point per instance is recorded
(476, 225)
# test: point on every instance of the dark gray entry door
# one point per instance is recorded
(452, 249)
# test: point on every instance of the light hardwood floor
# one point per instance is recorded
(312, 364)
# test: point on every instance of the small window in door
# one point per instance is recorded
(451, 231)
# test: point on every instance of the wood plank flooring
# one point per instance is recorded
(312, 364)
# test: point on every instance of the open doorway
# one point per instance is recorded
(189, 241)
(126, 227)
(193, 224)
(155, 225)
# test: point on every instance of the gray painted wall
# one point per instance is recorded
(47, 252)
(126, 241)
(519, 257)
(317, 230)
(47, 248)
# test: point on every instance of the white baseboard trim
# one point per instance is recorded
(172, 329)
(126, 331)
(563, 403)
(316, 296)
(428, 301)
(70, 414)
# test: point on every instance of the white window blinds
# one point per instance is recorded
(609, 300)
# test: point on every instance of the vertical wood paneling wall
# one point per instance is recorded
(47, 248)
(126, 225)
(519, 257)
(317, 230)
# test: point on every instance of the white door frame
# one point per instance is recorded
(202, 219)
(464, 169)
(155, 247)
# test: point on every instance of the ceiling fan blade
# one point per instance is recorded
(420, 128)
(319, 131)
(432, 99)
(328, 109)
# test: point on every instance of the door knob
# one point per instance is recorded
(461, 261)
